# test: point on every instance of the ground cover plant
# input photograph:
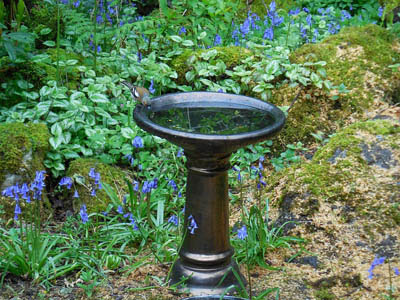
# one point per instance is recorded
(108, 198)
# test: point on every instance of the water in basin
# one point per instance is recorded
(212, 120)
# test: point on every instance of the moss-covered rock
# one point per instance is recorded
(231, 56)
(345, 203)
(357, 57)
(22, 150)
(79, 170)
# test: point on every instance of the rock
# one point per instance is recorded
(22, 151)
(345, 206)
(111, 175)
(357, 57)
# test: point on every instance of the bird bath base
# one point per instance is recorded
(209, 127)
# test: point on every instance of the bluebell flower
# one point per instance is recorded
(83, 214)
(124, 200)
(220, 91)
(396, 271)
(76, 3)
(137, 142)
(173, 220)
(217, 40)
(8, 192)
(121, 23)
(294, 12)
(120, 210)
(272, 6)
(99, 19)
(179, 194)
(104, 213)
(172, 184)
(306, 10)
(38, 184)
(235, 37)
(135, 185)
(24, 191)
(92, 173)
(380, 11)
(345, 15)
(245, 27)
(180, 152)
(315, 36)
(376, 262)
(130, 158)
(260, 162)
(139, 55)
(64, 1)
(193, 225)
(239, 177)
(66, 181)
(93, 192)
(98, 48)
(242, 232)
(145, 188)
(76, 195)
(303, 31)
(17, 211)
(269, 33)
(182, 30)
(309, 20)
(152, 90)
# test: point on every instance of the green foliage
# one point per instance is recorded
(349, 5)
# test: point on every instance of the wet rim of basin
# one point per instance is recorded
(214, 99)
(214, 297)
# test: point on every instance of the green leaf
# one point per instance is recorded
(202, 35)
(45, 31)
(188, 43)
(56, 129)
(12, 53)
(49, 43)
(102, 112)
(176, 38)
(127, 132)
(98, 98)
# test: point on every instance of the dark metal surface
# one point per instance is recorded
(205, 256)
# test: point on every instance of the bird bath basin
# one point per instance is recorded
(209, 127)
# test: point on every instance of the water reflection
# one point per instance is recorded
(211, 120)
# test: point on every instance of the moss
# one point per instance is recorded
(22, 151)
(324, 294)
(45, 16)
(231, 56)
(334, 181)
(112, 176)
(356, 57)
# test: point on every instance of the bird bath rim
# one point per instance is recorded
(199, 142)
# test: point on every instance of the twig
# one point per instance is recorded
(295, 99)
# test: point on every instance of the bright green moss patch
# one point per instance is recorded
(22, 151)
(357, 57)
(113, 176)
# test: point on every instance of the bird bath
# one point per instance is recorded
(209, 127)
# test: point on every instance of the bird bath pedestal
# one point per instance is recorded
(209, 127)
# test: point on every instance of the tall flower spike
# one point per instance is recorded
(83, 214)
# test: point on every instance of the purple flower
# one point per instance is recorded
(151, 88)
(17, 211)
(92, 173)
(93, 192)
(242, 232)
(245, 27)
(83, 214)
(193, 225)
(76, 195)
(294, 12)
(98, 48)
(376, 262)
(135, 185)
(76, 3)
(239, 177)
(180, 153)
(182, 30)
(130, 158)
(309, 20)
(66, 181)
(137, 142)
(99, 19)
(345, 15)
(217, 40)
(269, 33)
(173, 220)
(173, 184)
(120, 210)
(396, 271)
(306, 10)
(139, 55)
(380, 11)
